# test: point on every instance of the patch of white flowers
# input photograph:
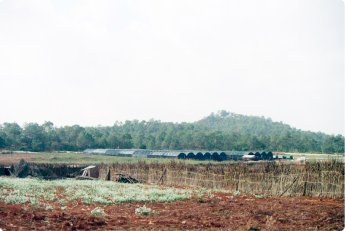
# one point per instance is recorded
(35, 191)
(15, 199)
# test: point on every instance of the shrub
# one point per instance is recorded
(237, 193)
(143, 211)
(98, 211)
(49, 207)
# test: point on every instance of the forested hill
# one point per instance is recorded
(261, 132)
(254, 125)
(221, 131)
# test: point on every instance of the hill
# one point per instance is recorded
(261, 132)
(220, 131)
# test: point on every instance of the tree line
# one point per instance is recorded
(218, 131)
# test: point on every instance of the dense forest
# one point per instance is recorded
(220, 131)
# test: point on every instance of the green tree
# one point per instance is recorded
(84, 140)
(33, 137)
(12, 134)
(2, 142)
(126, 141)
(333, 144)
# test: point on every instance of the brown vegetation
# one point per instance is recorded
(322, 179)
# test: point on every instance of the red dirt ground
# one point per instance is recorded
(220, 212)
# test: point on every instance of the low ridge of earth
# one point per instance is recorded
(221, 211)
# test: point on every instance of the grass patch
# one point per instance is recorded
(81, 158)
(33, 191)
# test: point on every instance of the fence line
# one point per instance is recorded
(247, 174)
(324, 183)
(246, 181)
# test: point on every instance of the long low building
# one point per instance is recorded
(181, 154)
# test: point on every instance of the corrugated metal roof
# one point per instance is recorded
(165, 153)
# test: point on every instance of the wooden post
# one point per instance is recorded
(161, 179)
(305, 185)
(238, 181)
(108, 177)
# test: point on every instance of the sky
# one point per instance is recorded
(96, 62)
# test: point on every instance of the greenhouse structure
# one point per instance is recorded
(182, 154)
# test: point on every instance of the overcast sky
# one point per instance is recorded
(97, 62)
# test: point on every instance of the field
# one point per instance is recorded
(72, 204)
(178, 194)
(80, 158)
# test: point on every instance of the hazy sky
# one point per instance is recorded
(95, 62)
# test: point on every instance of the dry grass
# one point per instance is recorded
(320, 178)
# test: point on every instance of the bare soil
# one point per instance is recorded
(15, 158)
(221, 212)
